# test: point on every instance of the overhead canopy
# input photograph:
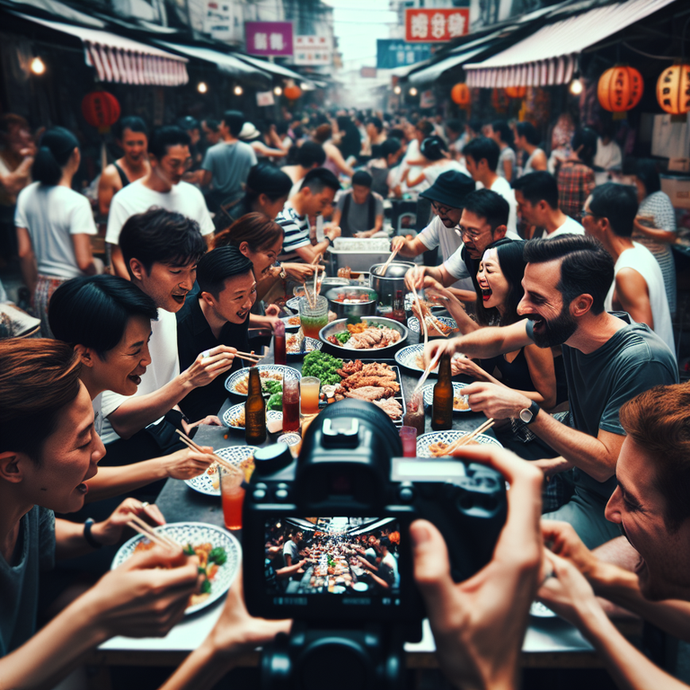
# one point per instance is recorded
(122, 60)
(549, 55)
(226, 63)
(272, 67)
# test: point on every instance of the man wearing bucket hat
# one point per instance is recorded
(447, 196)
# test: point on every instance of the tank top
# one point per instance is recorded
(123, 176)
(528, 165)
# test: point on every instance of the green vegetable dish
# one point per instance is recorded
(275, 402)
(323, 366)
(271, 386)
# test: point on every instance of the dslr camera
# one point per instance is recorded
(342, 511)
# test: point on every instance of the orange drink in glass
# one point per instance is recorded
(309, 393)
(232, 496)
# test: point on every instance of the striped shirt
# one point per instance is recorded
(296, 232)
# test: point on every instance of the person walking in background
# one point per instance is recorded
(53, 222)
(527, 140)
(655, 224)
(575, 176)
(132, 138)
(507, 160)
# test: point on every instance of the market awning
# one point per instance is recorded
(272, 68)
(225, 63)
(122, 60)
(549, 56)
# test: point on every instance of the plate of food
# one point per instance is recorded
(434, 444)
(292, 323)
(372, 333)
(460, 403)
(438, 326)
(369, 380)
(209, 482)
(296, 345)
(238, 382)
(233, 417)
(412, 357)
(219, 553)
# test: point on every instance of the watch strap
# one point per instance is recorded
(534, 409)
(90, 540)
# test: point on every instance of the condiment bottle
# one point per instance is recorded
(255, 411)
(398, 311)
(442, 410)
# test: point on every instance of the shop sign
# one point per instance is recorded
(219, 20)
(264, 98)
(268, 38)
(394, 52)
(437, 25)
(312, 50)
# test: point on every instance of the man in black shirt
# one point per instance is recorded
(218, 315)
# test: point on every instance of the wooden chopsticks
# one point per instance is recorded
(385, 266)
(426, 373)
(422, 320)
(138, 525)
(221, 461)
(464, 440)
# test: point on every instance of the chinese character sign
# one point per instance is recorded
(436, 25)
(393, 52)
(312, 50)
(268, 38)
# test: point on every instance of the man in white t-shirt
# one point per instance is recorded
(161, 250)
(447, 196)
(481, 158)
(162, 187)
(638, 284)
(537, 199)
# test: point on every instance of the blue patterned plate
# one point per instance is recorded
(233, 417)
(293, 303)
(291, 326)
(207, 483)
(413, 324)
(459, 400)
(266, 371)
(196, 533)
(425, 440)
(292, 345)
(410, 357)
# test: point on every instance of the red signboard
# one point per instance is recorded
(436, 25)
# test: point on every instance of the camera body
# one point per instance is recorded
(350, 475)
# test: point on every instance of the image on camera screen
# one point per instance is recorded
(337, 555)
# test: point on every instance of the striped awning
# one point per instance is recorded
(550, 55)
(122, 60)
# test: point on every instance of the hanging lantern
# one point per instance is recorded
(100, 109)
(673, 89)
(292, 93)
(620, 89)
(460, 94)
(499, 100)
(516, 91)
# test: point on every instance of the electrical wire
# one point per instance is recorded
(649, 55)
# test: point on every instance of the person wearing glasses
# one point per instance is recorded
(162, 187)
(483, 222)
(447, 197)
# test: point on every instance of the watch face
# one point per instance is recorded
(526, 415)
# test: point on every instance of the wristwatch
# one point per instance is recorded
(329, 240)
(283, 272)
(529, 414)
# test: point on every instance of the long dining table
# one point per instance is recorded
(550, 642)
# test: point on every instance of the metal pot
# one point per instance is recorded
(343, 310)
(387, 285)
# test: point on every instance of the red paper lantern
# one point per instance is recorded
(516, 91)
(460, 94)
(620, 88)
(100, 109)
(292, 93)
(673, 89)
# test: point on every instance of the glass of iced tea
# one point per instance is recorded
(309, 393)
(313, 318)
(290, 405)
(232, 496)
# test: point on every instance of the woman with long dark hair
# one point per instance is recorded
(266, 192)
(53, 222)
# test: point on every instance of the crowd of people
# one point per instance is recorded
(563, 291)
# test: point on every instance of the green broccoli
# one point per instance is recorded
(218, 555)
(205, 587)
(271, 386)
(275, 402)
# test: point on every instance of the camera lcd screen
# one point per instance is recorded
(355, 558)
